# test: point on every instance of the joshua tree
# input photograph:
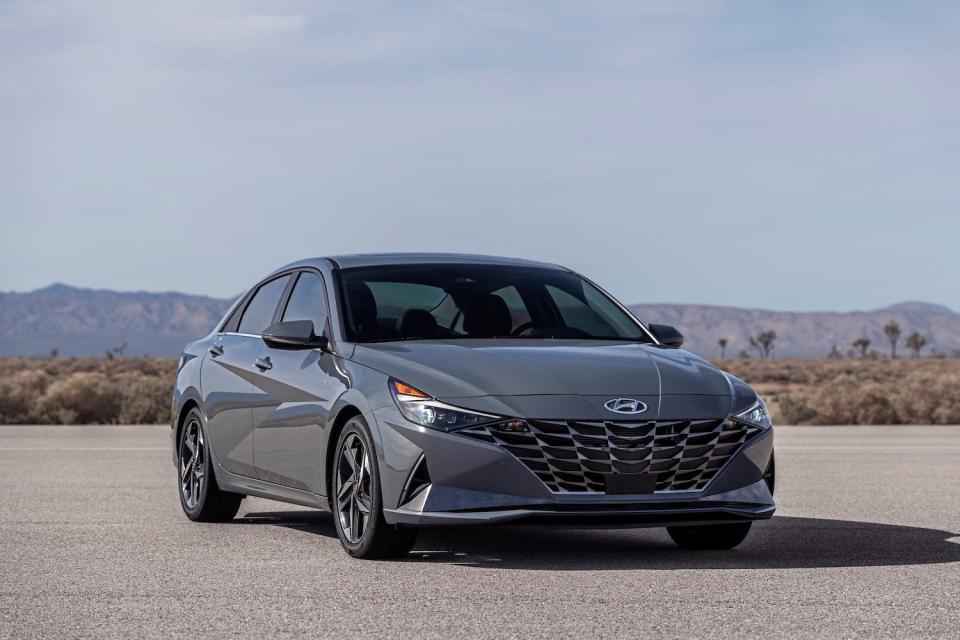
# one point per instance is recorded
(54, 352)
(723, 348)
(835, 353)
(892, 331)
(763, 342)
(916, 342)
(862, 344)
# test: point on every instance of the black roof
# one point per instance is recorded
(388, 259)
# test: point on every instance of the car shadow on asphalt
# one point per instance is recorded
(785, 542)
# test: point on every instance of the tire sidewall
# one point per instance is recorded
(358, 426)
(715, 537)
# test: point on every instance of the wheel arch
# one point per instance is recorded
(346, 412)
(188, 405)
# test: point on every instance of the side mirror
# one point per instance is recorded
(667, 335)
(294, 334)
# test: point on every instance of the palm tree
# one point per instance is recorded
(916, 342)
(862, 344)
(892, 331)
(723, 348)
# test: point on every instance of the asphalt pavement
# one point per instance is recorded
(866, 542)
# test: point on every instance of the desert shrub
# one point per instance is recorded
(85, 390)
(20, 394)
(144, 399)
(848, 400)
(914, 396)
(857, 391)
(928, 398)
(793, 409)
(85, 398)
(829, 391)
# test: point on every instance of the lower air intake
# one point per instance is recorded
(576, 456)
(418, 481)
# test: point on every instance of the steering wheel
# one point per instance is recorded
(525, 326)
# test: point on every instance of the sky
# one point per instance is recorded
(785, 155)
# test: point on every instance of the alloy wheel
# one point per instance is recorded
(192, 463)
(353, 488)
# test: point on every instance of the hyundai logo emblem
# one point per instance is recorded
(625, 405)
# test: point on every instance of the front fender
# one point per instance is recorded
(355, 388)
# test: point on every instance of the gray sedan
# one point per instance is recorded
(403, 391)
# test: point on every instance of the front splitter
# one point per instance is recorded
(620, 517)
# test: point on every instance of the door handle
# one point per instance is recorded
(216, 350)
(263, 363)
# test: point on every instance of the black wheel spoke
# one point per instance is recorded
(345, 493)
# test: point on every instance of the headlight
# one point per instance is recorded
(757, 415)
(418, 407)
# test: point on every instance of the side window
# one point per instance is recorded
(230, 326)
(259, 313)
(308, 301)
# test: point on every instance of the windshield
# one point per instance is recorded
(448, 302)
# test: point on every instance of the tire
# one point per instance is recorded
(200, 496)
(356, 499)
(713, 536)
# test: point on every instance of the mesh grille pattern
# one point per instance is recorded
(575, 456)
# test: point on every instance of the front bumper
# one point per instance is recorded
(750, 503)
(474, 482)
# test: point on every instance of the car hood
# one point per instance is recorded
(476, 368)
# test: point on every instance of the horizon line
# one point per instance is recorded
(894, 306)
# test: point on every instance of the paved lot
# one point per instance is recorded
(93, 544)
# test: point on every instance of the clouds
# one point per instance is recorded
(515, 128)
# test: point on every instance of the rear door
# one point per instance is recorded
(290, 427)
(226, 387)
(231, 380)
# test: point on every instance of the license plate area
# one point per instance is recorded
(630, 483)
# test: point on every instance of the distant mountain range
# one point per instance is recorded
(91, 322)
(805, 334)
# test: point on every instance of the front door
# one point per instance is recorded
(290, 425)
(230, 380)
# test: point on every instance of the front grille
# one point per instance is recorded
(577, 456)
